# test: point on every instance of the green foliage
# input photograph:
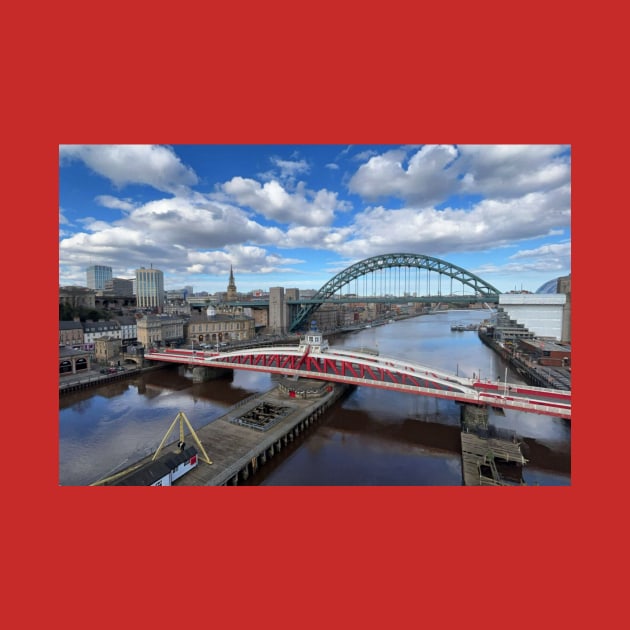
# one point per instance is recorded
(67, 313)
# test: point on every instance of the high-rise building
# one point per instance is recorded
(97, 275)
(149, 288)
(277, 310)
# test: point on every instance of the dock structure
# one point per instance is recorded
(237, 448)
(491, 461)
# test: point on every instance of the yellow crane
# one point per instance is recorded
(181, 416)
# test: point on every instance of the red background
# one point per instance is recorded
(342, 73)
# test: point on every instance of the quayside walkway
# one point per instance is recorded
(237, 447)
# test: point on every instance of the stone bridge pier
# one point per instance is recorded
(202, 374)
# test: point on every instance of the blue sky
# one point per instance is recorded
(296, 215)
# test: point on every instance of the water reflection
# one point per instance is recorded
(372, 437)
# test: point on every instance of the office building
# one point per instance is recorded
(97, 275)
(149, 288)
(119, 286)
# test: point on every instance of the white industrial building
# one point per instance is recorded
(544, 315)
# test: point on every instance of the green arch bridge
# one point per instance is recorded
(388, 274)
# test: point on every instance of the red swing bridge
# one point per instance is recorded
(313, 358)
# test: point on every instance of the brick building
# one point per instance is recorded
(547, 352)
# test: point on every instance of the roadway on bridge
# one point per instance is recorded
(358, 368)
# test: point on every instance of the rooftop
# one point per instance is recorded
(549, 346)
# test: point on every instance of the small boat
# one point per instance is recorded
(462, 327)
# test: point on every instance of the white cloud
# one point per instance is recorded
(424, 180)
(548, 266)
(124, 164)
(332, 166)
(321, 238)
(364, 155)
(274, 202)
(175, 232)
(551, 258)
(285, 172)
(199, 225)
(113, 202)
(435, 172)
(559, 250)
(245, 259)
(290, 168)
(507, 171)
(488, 225)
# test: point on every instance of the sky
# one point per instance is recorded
(296, 215)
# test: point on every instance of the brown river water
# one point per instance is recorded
(371, 437)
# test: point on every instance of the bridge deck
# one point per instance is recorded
(358, 368)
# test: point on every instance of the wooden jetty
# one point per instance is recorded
(491, 461)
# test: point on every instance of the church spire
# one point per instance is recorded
(231, 290)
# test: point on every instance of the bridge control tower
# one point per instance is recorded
(313, 341)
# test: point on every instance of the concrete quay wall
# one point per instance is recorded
(237, 450)
(537, 376)
(92, 378)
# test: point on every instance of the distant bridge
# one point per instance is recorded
(389, 279)
(381, 275)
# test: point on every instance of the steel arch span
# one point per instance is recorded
(388, 261)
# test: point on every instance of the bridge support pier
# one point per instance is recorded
(473, 417)
(203, 374)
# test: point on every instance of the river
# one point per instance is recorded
(371, 437)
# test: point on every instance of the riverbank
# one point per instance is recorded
(537, 375)
(93, 378)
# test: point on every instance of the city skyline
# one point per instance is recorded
(296, 215)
